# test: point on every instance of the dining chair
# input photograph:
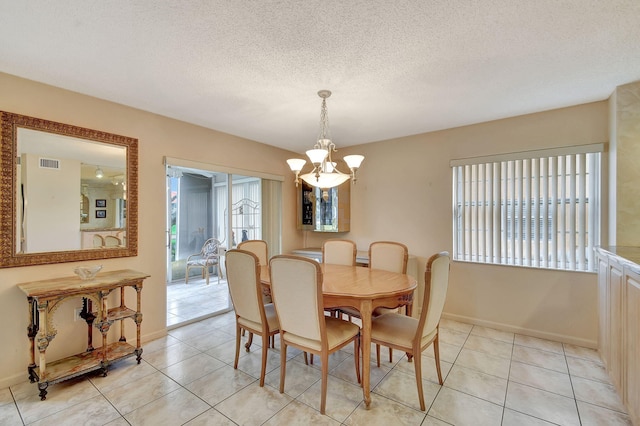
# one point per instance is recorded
(98, 241)
(260, 249)
(243, 278)
(257, 247)
(339, 252)
(413, 335)
(296, 288)
(206, 258)
(389, 256)
(111, 241)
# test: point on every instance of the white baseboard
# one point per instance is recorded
(526, 331)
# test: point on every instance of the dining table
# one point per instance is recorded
(365, 290)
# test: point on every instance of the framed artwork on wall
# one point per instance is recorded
(101, 214)
(101, 203)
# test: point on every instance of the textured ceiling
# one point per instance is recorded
(395, 67)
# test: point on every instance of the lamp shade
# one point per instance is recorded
(325, 180)
(317, 155)
(296, 164)
(353, 161)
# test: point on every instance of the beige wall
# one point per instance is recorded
(403, 193)
(158, 137)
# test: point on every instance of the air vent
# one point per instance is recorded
(49, 163)
(18, 160)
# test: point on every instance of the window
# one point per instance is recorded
(537, 209)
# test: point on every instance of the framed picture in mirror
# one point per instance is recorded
(101, 203)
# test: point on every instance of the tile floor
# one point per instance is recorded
(187, 302)
(491, 378)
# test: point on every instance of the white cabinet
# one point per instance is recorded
(619, 321)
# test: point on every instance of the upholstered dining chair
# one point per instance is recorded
(296, 288)
(389, 256)
(413, 335)
(208, 257)
(252, 315)
(257, 247)
(339, 252)
(260, 249)
(98, 241)
(111, 241)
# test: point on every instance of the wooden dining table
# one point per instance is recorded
(363, 289)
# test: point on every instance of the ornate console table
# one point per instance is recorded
(44, 298)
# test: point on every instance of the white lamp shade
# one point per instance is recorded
(326, 180)
(328, 167)
(353, 161)
(296, 164)
(317, 155)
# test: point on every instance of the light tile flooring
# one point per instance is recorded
(491, 378)
(186, 302)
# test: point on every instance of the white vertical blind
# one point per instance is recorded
(539, 210)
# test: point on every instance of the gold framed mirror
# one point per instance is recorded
(68, 193)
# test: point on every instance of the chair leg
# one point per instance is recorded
(390, 355)
(325, 377)
(265, 348)
(205, 273)
(418, 366)
(436, 353)
(306, 359)
(356, 352)
(235, 362)
(283, 363)
(249, 341)
(378, 354)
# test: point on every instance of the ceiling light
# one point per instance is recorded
(325, 174)
(99, 173)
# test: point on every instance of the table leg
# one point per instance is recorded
(365, 343)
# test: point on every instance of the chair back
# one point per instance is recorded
(389, 256)
(339, 252)
(436, 282)
(243, 278)
(210, 247)
(296, 290)
(111, 241)
(257, 247)
(98, 241)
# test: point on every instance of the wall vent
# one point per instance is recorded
(49, 163)
(18, 160)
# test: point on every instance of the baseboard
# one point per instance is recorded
(562, 338)
(152, 336)
(14, 380)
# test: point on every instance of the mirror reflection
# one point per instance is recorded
(69, 190)
(74, 189)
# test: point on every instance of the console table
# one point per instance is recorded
(44, 298)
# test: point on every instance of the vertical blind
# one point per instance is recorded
(536, 209)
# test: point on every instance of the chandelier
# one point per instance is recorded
(325, 174)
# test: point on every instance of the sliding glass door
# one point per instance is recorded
(201, 204)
